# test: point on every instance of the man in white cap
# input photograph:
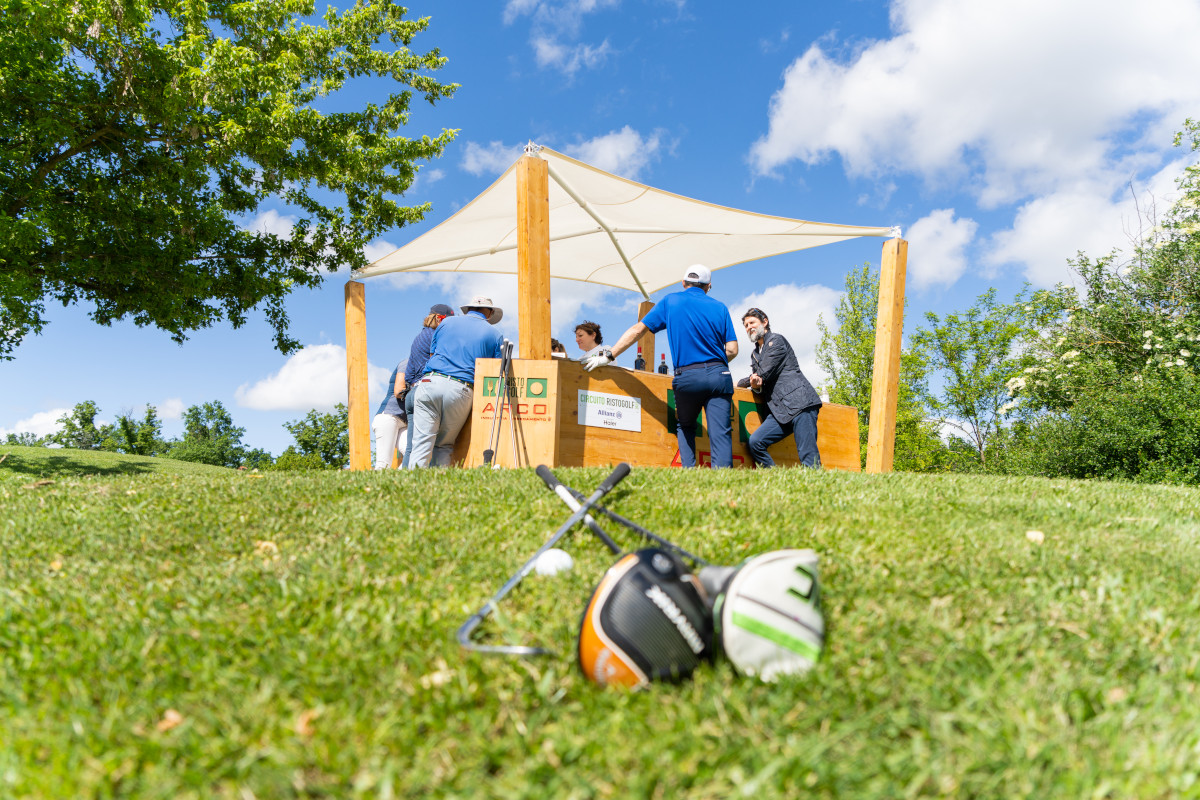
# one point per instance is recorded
(444, 392)
(703, 341)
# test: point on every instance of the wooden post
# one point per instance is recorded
(646, 340)
(533, 257)
(356, 375)
(885, 381)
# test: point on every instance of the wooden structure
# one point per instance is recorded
(557, 413)
(554, 437)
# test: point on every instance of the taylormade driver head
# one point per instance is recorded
(646, 621)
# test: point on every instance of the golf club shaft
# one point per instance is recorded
(490, 452)
(633, 526)
(564, 494)
(468, 627)
(501, 400)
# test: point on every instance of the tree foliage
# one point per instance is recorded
(141, 135)
(1114, 382)
(324, 436)
(976, 352)
(137, 437)
(209, 437)
(79, 430)
(847, 356)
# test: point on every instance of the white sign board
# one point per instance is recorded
(603, 410)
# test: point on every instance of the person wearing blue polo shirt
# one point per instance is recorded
(703, 341)
(444, 392)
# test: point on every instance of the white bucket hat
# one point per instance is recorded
(485, 302)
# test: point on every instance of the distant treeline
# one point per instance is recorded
(209, 437)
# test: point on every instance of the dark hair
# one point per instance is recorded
(758, 314)
(592, 328)
(556, 346)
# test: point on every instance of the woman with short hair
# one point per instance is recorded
(588, 337)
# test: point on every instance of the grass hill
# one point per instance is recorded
(168, 633)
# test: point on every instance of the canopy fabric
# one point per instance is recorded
(607, 230)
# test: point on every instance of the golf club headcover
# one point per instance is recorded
(768, 616)
(648, 620)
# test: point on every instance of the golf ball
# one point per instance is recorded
(553, 561)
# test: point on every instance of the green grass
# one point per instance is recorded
(48, 464)
(302, 628)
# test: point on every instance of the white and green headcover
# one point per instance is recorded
(769, 616)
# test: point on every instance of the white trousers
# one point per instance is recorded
(388, 428)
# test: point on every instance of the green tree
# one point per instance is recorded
(976, 352)
(25, 439)
(140, 135)
(325, 436)
(1114, 381)
(137, 437)
(209, 437)
(79, 430)
(847, 356)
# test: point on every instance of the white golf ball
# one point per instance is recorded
(553, 561)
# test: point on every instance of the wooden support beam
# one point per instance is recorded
(885, 380)
(645, 342)
(533, 257)
(356, 376)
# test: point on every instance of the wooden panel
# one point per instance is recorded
(645, 342)
(527, 432)
(885, 381)
(533, 258)
(545, 396)
(356, 376)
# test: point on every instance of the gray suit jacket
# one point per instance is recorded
(785, 389)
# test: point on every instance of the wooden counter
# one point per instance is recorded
(542, 422)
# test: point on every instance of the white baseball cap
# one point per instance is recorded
(698, 273)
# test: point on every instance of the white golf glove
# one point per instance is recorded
(601, 359)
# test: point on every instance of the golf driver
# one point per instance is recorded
(474, 621)
(498, 408)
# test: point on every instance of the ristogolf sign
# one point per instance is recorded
(616, 411)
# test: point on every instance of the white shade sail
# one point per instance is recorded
(608, 230)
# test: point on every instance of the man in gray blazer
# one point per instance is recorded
(793, 403)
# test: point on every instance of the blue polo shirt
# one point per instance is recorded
(458, 341)
(697, 326)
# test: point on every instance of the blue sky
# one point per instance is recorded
(1001, 137)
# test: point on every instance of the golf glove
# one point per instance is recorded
(601, 358)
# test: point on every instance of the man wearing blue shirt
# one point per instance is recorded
(444, 392)
(703, 341)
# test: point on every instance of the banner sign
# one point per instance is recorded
(603, 410)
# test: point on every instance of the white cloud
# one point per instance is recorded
(1020, 95)
(625, 152)
(378, 249)
(492, 158)
(1021, 102)
(937, 246)
(555, 30)
(271, 221)
(43, 423)
(171, 408)
(1087, 217)
(569, 59)
(315, 377)
(793, 311)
